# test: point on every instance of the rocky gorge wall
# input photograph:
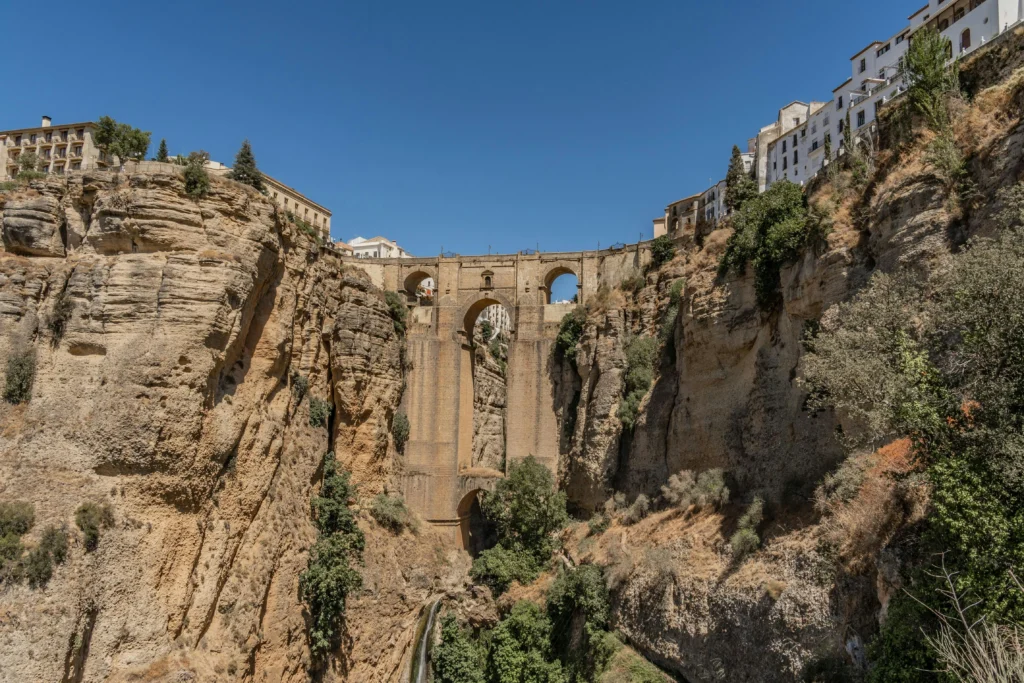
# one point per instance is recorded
(726, 395)
(173, 396)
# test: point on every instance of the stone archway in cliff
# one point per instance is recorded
(486, 334)
(474, 531)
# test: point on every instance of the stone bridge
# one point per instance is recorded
(439, 481)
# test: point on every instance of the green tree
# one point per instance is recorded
(244, 170)
(28, 163)
(456, 659)
(520, 649)
(771, 231)
(942, 361)
(526, 508)
(739, 186)
(121, 140)
(662, 250)
(330, 575)
(498, 567)
(570, 331)
(929, 78)
(197, 180)
(578, 607)
(161, 152)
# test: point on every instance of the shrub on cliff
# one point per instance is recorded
(398, 310)
(91, 518)
(456, 659)
(52, 549)
(641, 353)
(771, 230)
(330, 575)
(638, 510)
(746, 539)
(569, 333)
(245, 170)
(197, 180)
(21, 372)
(498, 567)
(391, 513)
(400, 431)
(300, 385)
(16, 518)
(668, 323)
(60, 316)
(319, 412)
(705, 490)
(663, 250)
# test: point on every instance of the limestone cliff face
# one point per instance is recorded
(171, 396)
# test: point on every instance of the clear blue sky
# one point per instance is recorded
(454, 124)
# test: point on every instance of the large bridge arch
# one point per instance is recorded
(437, 475)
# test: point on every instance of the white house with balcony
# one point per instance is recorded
(875, 80)
(377, 247)
(793, 147)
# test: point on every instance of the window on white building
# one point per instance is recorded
(860, 118)
(839, 102)
(863, 65)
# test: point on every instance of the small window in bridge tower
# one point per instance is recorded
(487, 279)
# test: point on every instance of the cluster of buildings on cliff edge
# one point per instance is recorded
(72, 147)
(793, 146)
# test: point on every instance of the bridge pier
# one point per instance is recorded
(438, 475)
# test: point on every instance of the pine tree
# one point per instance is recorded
(244, 170)
(161, 153)
(739, 186)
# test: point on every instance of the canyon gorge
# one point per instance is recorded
(194, 360)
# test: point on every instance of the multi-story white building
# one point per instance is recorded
(377, 247)
(786, 146)
(793, 146)
(875, 80)
(498, 318)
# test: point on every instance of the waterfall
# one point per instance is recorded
(418, 671)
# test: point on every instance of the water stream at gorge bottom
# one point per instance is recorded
(418, 670)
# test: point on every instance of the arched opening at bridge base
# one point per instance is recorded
(484, 386)
(476, 534)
